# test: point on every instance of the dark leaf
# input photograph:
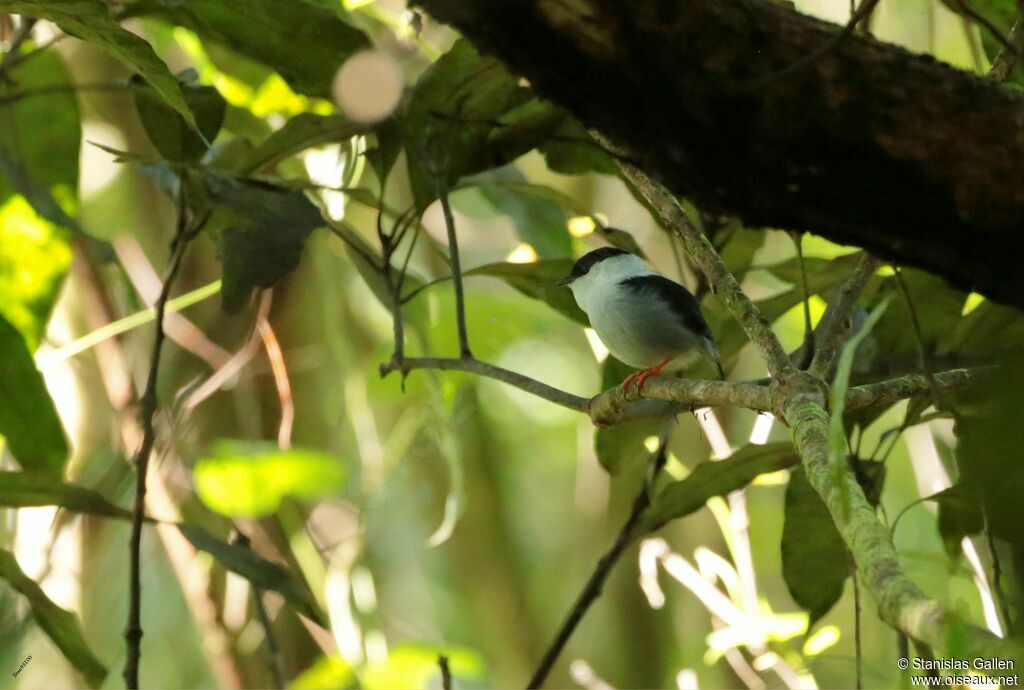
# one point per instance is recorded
(815, 562)
(60, 625)
(90, 21)
(990, 436)
(960, 515)
(717, 478)
(455, 109)
(264, 231)
(256, 569)
(170, 134)
(304, 43)
(28, 418)
(22, 489)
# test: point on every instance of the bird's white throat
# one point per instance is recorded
(602, 280)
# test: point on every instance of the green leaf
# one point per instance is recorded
(571, 150)
(538, 280)
(837, 403)
(22, 489)
(251, 480)
(622, 446)
(815, 562)
(40, 136)
(304, 43)
(717, 478)
(60, 625)
(454, 110)
(167, 130)
(259, 571)
(265, 228)
(539, 221)
(90, 21)
(28, 418)
(298, 134)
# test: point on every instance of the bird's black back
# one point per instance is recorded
(679, 300)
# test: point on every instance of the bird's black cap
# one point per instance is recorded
(588, 260)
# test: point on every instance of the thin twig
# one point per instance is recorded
(148, 406)
(858, 652)
(456, 268)
(277, 668)
(1007, 60)
(997, 575)
(475, 366)
(922, 349)
(836, 323)
(592, 589)
(979, 18)
(802, 357)
(446, 673)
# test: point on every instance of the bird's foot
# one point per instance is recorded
(640, 377)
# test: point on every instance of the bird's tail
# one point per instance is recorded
(710, 353)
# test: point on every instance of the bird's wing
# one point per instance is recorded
(683, 305)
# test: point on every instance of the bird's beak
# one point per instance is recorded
(564, 282)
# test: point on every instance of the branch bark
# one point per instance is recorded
(867, 144)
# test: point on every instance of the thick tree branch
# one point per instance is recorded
(901, 603)
(867, 144)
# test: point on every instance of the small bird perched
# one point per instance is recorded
(644, 319)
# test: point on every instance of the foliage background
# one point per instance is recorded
(455, 514)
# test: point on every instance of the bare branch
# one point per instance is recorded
(456, 267)
(475, 366)
(148, 407)
(836, 324)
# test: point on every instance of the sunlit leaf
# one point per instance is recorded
(22, 489)
(90, 20)
(262, 573)
(327, 673)
(717, 478)
(39, 138)
(540, 281)
(169, 133)
(28, 418)
(34, 258)
(303, 42)
(298, 134)
(415, 667)
(815, 562)
(250, 480)
(60, 625)
(265, 228)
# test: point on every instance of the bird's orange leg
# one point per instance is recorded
(639, 377)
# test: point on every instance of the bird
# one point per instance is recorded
(646, 320)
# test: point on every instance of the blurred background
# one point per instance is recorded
(442, 513)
